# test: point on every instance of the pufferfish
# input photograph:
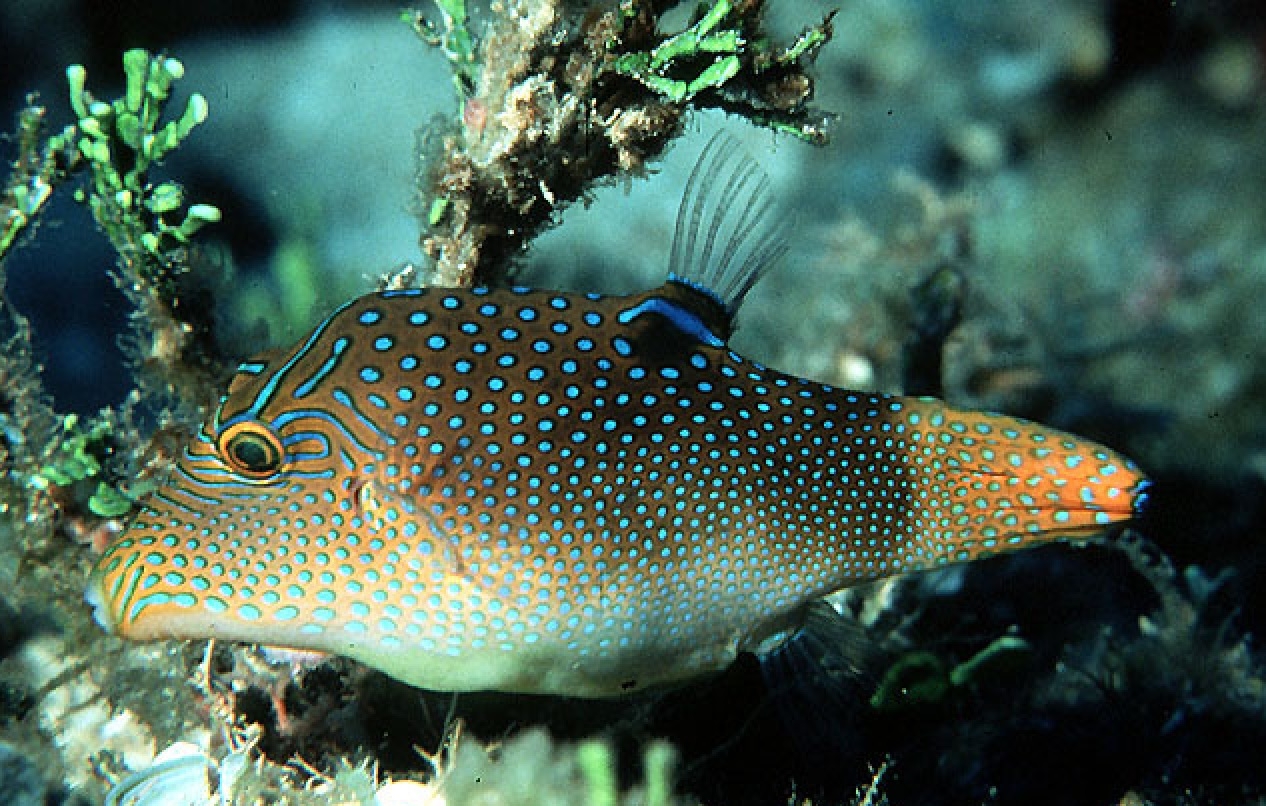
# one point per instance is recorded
(571, 493)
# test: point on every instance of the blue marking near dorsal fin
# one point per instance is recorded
(684, 319)
(729, 228)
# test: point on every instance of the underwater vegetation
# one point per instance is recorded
(1070, 234)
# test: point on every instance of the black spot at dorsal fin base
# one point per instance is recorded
(707, 308)
(674, 318)
(729, 228)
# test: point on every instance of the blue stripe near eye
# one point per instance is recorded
(341, 396)
(270, 388)
(326, 417)
(159, 495)
(188, 479)
(307, 436)
(336, 352)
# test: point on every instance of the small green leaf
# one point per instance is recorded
(135, 69)
(76, 77)
(598, 769)
(165, 198)
(198, 216)
(107, 502)
(438, 208)
(716, 75)
(128, 127)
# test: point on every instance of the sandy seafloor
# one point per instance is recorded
(1094, 171)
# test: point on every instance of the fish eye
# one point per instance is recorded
(252, 450)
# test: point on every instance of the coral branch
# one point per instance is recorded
(554, 102)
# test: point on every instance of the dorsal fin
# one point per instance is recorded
(729, 228)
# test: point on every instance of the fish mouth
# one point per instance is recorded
(95, 597)
(1141, 497)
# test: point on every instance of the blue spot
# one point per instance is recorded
(528, 314)
(409, 362)
(622, 346)
(559, 303)
(433, 381)
(451, 303)
(542, 346)
(437, 342)
(463, 366)
(536, 374)
(496, 384)
(370, 317)
(509, 334)
(419, 318)
(584, 345)
(488, 309)
(560, 328)
(249, 612)
(383, 343)
(593, 319)
(370, 375)
(404, 393)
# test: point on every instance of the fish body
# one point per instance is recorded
(527, 490)
(566, 493)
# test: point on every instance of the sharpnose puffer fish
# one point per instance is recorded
(569, 493)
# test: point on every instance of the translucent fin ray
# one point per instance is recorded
(729, 227)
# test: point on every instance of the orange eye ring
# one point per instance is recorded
(252, 450)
